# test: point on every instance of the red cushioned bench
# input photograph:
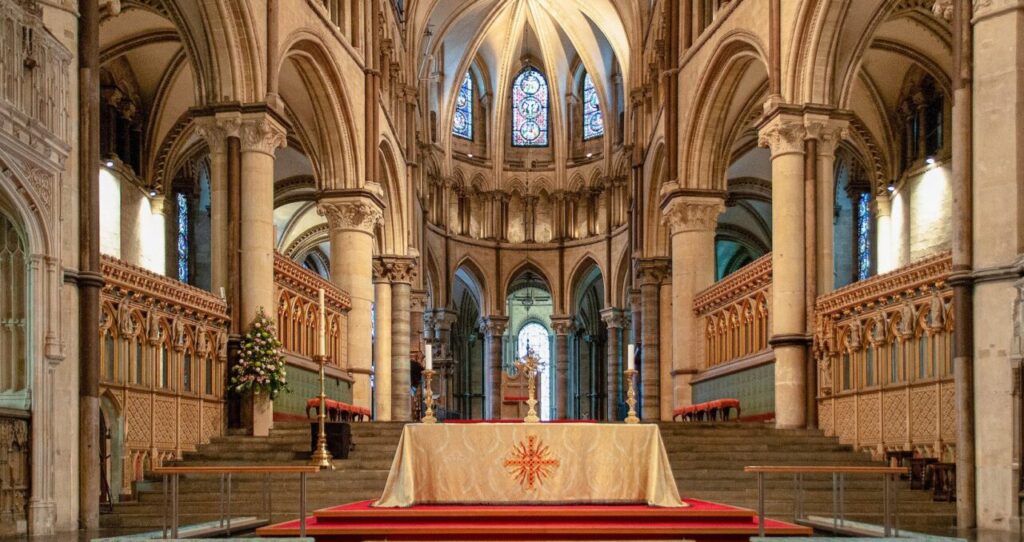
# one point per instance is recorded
(336, 410)
(717, 410)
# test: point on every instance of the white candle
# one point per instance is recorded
(631, 358)
(322, 329)
(428, 357)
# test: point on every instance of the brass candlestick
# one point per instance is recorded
(531, 365)
(321, 455)
(428, 397)
(630, 374)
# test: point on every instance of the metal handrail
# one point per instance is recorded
(225, 505)
(838, 491)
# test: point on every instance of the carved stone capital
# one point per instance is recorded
(262, 134)
(216, 130)
(652, 271)
(783, 133)
(493, 326)
(692, 214)
(613, 318)
(351, 214)
(562, 325)
(827, 131)
(401, 269)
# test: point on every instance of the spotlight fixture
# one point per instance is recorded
(590, 154)
(891, 187)
(470, 155)
(152, 193)
(930, 160)
(110, 163)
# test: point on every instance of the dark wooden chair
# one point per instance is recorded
(920, 473)
(944, 482)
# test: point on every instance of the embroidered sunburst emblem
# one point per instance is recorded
(530, 462)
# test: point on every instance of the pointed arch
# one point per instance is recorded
(394, 211)
(531, 109)
(470, 272)
(586, 271)
(527, 266)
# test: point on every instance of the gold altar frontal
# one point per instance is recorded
(530, 463)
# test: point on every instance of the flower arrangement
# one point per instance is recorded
(260, 367)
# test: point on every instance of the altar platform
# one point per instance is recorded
(699, 521)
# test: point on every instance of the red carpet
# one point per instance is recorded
(700, 521)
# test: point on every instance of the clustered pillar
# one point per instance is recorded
(493, 328)
(615, 321)
(382, 345)
(562, 326)
(651, 272)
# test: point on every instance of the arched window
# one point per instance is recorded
(530, 109)
(13, 313)
(535, 336)
(183, 237)
(462, 125)
(863, 236)
(593, 120)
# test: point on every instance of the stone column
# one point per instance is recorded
(562, 326)
(382, 334)
(493, 328)
(784, 133)
(215, 131)
(692, 221)
(828, 132)
(261, 134)
(651, 272)
(883, 236)
(615, 321)
(402, 271)
(995, 248)
(351, 218)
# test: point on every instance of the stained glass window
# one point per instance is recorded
(535, 336)
(530, 109)
(593, 120)
(182, 237)
(462, 125)
(863, 236)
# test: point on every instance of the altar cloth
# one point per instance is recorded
(530, 463)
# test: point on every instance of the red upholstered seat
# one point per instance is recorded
(710, 410)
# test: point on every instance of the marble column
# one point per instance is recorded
(260, 134)
(692, 221)
(614, 320)
(784, 134)
(562, 326)
(215, 131)
(493, 329)
(382, 343)
(651, 272)
(351, 218)
(402, 271)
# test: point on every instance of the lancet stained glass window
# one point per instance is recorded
(462, 125)
(183, 235)
(863, 236)
(530, 109)
(593, 120)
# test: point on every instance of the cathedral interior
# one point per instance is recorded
(781, 202)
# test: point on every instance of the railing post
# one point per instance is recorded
(835, 502)
(760, 504)
(174, 506)
(302, 504)
(163, 530)
(220, 497)
(229, 505)
(886, 518)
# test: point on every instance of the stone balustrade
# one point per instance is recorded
(883, 349)
(162, 369)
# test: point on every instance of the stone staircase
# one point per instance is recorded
(707, 460)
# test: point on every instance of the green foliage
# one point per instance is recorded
(260, 367)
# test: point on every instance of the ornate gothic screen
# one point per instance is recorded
(593, 120)
(530, 109)
(462, 125)
(863, 236)
(534, 335)
(13, 283)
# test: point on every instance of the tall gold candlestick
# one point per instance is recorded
(428, 397)
(321, 455)
(630, 375)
